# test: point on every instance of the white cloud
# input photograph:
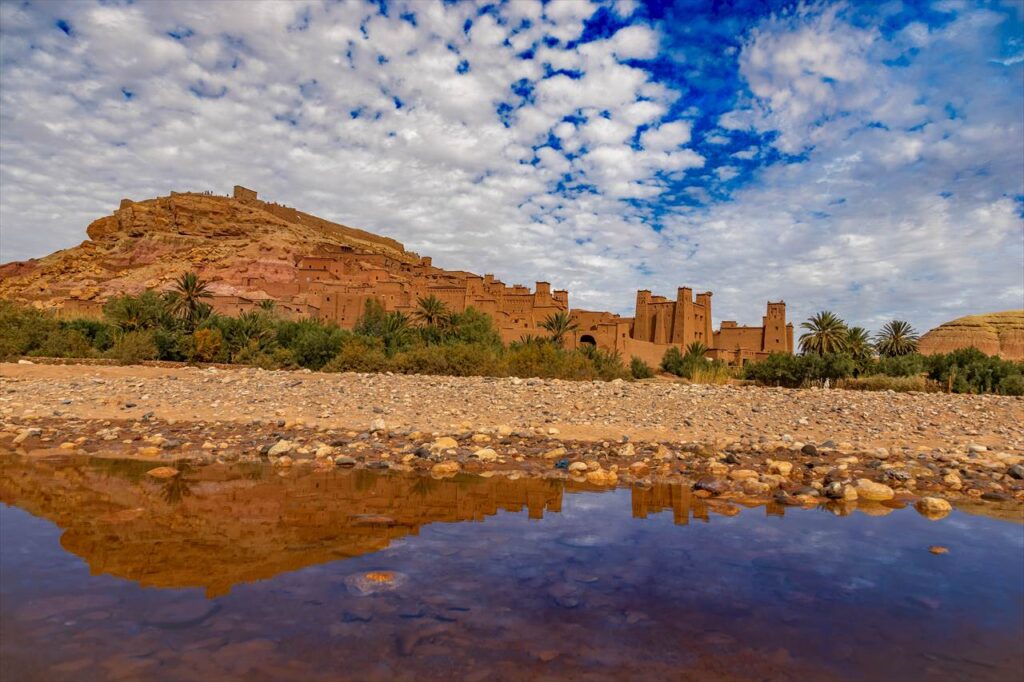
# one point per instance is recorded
(898, 207)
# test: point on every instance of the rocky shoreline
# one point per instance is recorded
(930, 450)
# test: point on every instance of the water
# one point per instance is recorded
(242, 573)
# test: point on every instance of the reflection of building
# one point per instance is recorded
(226, 526)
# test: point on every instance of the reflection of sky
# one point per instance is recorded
(765, 581)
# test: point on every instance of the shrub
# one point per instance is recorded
(454, 359)
(65, 343)
(134, 313)
(1012, 385)
(778, 369)
(640, 369)
(909, 365)
(133, 347)
(672, 361)
(968, 370)
(22, 329)
(312, 343)
(358, 354)
(472, 326)
(99, 334)
(881, 382)
(606, 364)
(206, 345)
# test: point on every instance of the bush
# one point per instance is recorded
(358, 354)
(206, 345)
(312, 343)
(968, 370)
(694, 366)
(640, 369)
(22, 329)
(778, 369)
(134, 313)
(133, 347)
(672, 361)
(98, 333)
(881, 382)
(474, 327)
(65, 343)
(1012, 385)
(453, 359)
(909, 365)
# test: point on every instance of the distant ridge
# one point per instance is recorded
(999, 334)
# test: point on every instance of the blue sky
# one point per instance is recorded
(863, 157)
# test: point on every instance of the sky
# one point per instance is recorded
(863, 157)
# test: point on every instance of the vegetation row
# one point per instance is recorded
(180, 325)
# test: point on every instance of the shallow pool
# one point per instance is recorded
(242, 573)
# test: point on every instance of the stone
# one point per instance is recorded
(554, 453)
(938, 549)
(444, 443)
(578, 467)
(163, 472)
(344, 461)
(711, 484)
(874, 492)
(445, 469)
(283, 461)
(281, 447)
(602, 477)
(1016, 471)
(742, 474)
(781, 468)
(486, 455)
(809, 450)
(933, 507)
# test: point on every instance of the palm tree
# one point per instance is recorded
(858, 343)
(432, 311)
(696, 349)
(268, 305)
(558, 325)
(896, 338)
(185, 300)
(826, 333)
(394, 330)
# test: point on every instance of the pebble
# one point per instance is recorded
(875, 492)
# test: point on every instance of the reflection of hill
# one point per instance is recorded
(219, 526)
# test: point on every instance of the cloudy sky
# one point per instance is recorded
(862, 157)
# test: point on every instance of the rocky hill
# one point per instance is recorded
(992, 333)
(146, 244)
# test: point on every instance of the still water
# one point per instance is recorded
(243, 573)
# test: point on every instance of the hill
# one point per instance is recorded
(146, 244)
(999, 334)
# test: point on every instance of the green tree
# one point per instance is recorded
(185, 300)
(431, 311)
(826, 333)
(896, 338)
(394, 331)
(558, 325)
(858, 344)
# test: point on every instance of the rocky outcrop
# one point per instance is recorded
(147, 244)
(999, 334)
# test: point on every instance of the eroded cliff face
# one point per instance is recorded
(999, 334)
(147, 244)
